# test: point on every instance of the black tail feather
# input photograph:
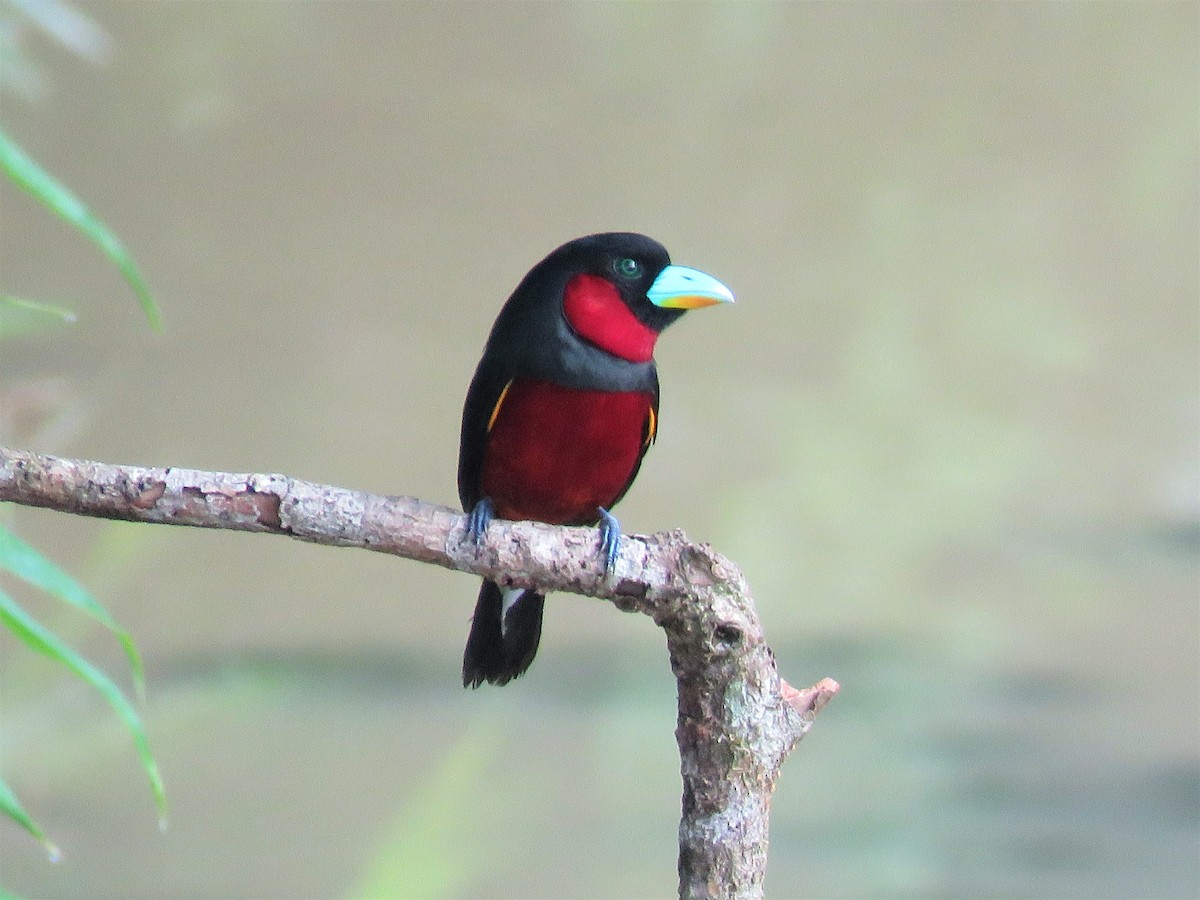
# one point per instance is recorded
(497, 652)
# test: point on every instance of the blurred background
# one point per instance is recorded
(950, 432)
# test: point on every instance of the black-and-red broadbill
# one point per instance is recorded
(562, 408)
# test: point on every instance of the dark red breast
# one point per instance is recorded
(556, 454)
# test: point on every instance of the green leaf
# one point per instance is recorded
(27, 564)
(19, 316)
(11, 807)
(41, 184)
(41, 639)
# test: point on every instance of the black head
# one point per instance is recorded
(629, 261)
(596, 303)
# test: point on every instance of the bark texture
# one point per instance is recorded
(737, 719)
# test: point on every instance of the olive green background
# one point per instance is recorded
(950, 431)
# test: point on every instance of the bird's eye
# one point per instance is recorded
(628, 268)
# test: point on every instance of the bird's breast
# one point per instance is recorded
(556, 454)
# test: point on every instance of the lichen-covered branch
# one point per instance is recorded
(738, 720)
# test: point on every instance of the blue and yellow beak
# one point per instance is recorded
(678, 287)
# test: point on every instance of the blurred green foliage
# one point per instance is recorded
(20, 317)
(25, 172)
(418, 854)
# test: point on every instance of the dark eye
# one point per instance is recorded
(628, 268)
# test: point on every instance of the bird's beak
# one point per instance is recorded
(678, 287)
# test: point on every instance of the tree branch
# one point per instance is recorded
(737, 720)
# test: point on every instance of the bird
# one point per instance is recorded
(561, 409)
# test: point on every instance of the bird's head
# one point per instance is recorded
(621, 290)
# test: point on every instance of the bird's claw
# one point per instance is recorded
(610, 539)
(478, 521)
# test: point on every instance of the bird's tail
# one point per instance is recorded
(504, 635)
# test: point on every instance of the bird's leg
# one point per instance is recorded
(478, 520)
(610, 538)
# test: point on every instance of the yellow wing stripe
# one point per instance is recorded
(651, 427)
(496, 408)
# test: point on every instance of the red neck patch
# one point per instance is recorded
(598, 314)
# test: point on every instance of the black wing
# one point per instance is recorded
(479, 411)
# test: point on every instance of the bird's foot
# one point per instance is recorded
(610, 539)
(478, 521)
